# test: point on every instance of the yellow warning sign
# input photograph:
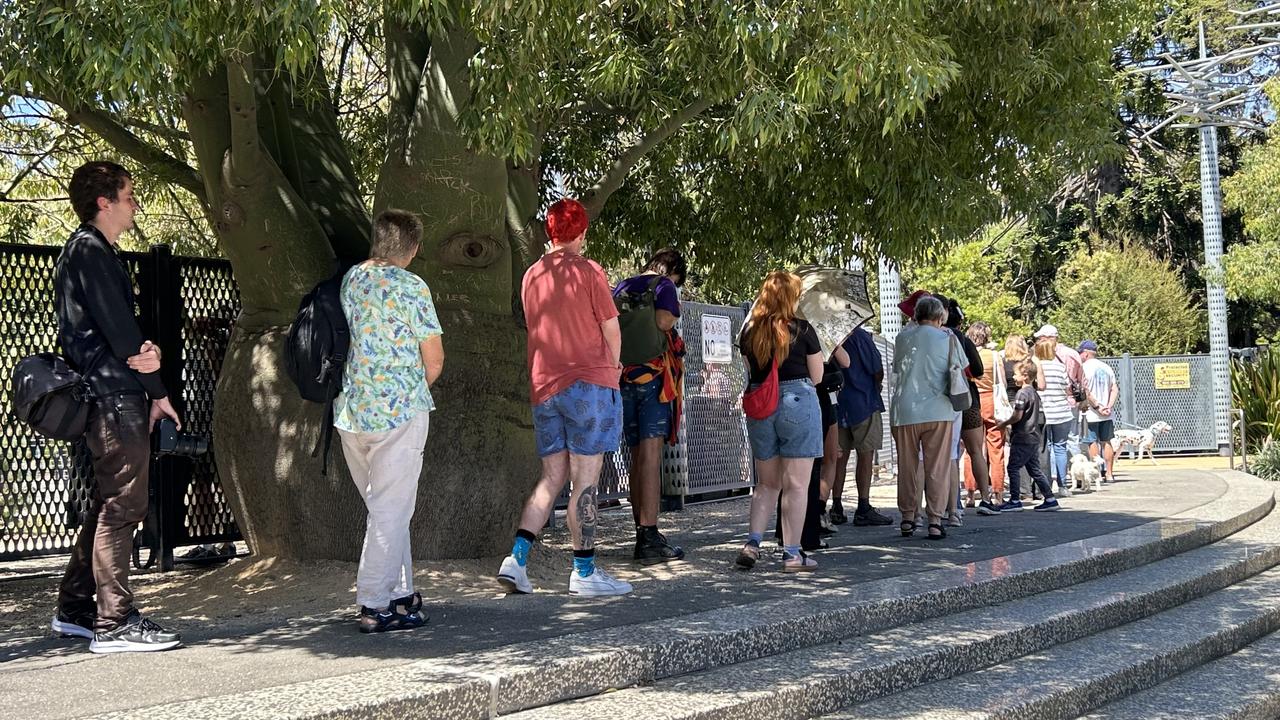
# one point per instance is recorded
(1173, 376)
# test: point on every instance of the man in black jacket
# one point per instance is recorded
(93, 297)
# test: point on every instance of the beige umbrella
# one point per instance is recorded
(834, 301)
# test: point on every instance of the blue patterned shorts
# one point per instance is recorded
(584, 419)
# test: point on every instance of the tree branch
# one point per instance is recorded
(22, 174)
(161, 130)
(164, 165)
(242, 101)
(595, 198)
(407, 52)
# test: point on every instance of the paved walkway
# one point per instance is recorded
(252, 625)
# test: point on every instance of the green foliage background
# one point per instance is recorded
(1127, 301)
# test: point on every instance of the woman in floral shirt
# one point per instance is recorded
(382, 413)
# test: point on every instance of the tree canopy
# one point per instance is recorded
(746, 133)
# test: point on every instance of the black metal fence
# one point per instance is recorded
(185, 305)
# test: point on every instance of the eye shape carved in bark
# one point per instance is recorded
(470, 249)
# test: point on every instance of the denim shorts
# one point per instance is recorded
(644, 416)
(794, 430)
(1100, 431)
(584, 419)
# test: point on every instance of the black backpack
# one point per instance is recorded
(51, 397)
(642, 341)
(316, 352)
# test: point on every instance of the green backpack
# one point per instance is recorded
(642, 341)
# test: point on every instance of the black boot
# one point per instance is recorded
(652, 547)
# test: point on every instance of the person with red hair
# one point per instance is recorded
(574, 346)
(785, 443)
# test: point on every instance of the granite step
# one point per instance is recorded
(811, 681)
(1074, 678)
(1244, 685)
(518, 677)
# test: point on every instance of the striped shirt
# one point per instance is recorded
(1053, 399)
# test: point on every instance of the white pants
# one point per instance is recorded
(385, 467)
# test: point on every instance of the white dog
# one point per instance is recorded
(1143, 440)
(1084, 473)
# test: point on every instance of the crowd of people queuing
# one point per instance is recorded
(605, 367)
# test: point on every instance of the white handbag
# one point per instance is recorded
(1002, 408)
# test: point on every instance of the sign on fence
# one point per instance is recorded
(1172, 376)
(717, 339)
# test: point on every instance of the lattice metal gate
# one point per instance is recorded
(1176, 389)
(183, 303)
(712, 455)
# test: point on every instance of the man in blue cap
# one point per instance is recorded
(1101, 391)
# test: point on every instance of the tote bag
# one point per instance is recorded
(1003, 410)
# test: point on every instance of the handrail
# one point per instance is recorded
(1237, 422)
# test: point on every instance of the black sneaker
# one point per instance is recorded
(837, 516)
(137, 634)
(404, 614)
(870, 517)
(79, 625)
(652, 548)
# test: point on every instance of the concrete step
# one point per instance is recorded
(1244, 685)
(1065, 681)
(808, 682)
(513, 678)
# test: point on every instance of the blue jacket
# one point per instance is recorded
(859, 397)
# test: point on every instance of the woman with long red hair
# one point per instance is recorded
(786, 442)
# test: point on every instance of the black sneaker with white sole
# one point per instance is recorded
(79, 625)
(137, 634)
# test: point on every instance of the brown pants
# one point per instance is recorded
(119, 440)
(933, 439)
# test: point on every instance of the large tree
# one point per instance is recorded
(744, 132)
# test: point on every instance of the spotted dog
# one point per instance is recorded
(1143, 440)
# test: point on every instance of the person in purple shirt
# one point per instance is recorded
(647, 400)
(860, 414)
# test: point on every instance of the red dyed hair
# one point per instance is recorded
(771, 316)
(566, 220)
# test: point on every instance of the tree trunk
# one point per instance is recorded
(480, 460)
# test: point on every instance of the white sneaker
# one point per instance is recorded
(598, 584)
(513, 578)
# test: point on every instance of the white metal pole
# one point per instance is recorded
(1211, 215)
(890, 295)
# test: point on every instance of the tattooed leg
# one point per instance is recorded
(584, 499)
(584, 513)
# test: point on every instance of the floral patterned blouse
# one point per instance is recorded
(390, 312)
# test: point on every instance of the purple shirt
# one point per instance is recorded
(665, 296)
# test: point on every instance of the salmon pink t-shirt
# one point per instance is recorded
(566, 297)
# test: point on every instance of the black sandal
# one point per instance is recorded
(942, 532)
(907, 528)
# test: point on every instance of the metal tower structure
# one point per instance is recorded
(1207, 95)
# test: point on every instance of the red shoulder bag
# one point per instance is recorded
(761, 401)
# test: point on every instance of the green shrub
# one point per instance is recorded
(1255, 388)
(1266, 464)
(1128, 301)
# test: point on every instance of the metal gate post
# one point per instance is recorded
(162, 311)
(1130, 414)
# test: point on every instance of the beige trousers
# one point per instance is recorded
(933, 440)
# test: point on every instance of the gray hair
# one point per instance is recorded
(929, 309)
(396, 233)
